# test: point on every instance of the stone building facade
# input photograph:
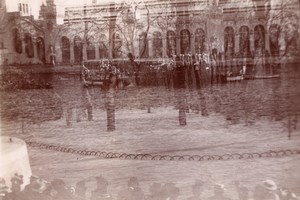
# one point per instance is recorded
(155, 30)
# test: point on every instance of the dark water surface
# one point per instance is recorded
(239, 102)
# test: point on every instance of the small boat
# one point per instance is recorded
(234, 78)
(266, 76)
(237, 77)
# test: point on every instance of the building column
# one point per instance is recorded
(35, 53)
(58, 53)
(178, 52)
(251, 37)
(267, 42)
(164, 47)
(72, 57)
(192, 43)
(150, 48)
(84, 54)
(236, 43)
(97, 51)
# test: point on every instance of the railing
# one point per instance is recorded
(113, 155)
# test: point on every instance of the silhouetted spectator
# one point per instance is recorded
(101, 191)
(59, 190)
(3, 188)
(219, 191)
(132, 192)
(285, 194)
(196, 190)
(243, 192)
(155, 192)
(35, 190)
(169, 192)
(80, 190)
(16, 183)
(266, 191)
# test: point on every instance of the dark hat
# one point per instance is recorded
(269, 184)
(133, 181)
(39, 186)
(58, 184)
(101, 180)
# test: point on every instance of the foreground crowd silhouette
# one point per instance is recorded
(57, 189)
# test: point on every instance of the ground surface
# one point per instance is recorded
(158, 133)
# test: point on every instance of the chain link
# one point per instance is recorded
(112, 155)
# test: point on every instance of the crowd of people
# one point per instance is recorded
(57, 189)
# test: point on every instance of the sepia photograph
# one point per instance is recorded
(149, 99)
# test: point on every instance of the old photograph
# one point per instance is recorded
(149, 99)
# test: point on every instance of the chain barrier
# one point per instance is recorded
(112, 155)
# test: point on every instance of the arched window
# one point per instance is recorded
(77, 49)
(103, 50)
(157, 44)
(229, 41)
(274, 33)
(143, 45)
(185, 41)
(90, 49)
(244, 40)
(171, 43)
(65, 48)
(17, 40)
(28, 45)
(199, 40)
(117, 44)
(259, 39)
(40, 45)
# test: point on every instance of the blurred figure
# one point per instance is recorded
(285, 194)
(3, 188)
(242, 191)
(16, 182)
(169, 192)
(219, 190)
(132, 192)
(101, 191)
(80, 190)
(35, 190)
(155, 192)
(59, 190)
(266, 191)
(196, 190)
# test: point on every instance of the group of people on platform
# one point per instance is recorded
(213, 67)
(57, 189)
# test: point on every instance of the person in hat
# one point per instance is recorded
(196, 190)
(80, 190)
(169, 192)
(60, 191)
(243, 192)
(285, 194)
(35, 190)
(101, 191)
(132, 192)
(3, 188)
(270, 190)
(219, 190)
(155, 192)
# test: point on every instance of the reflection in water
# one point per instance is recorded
(82, 110)
(239, 102)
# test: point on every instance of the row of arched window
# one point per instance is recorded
(29, 45)
(185, 43)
